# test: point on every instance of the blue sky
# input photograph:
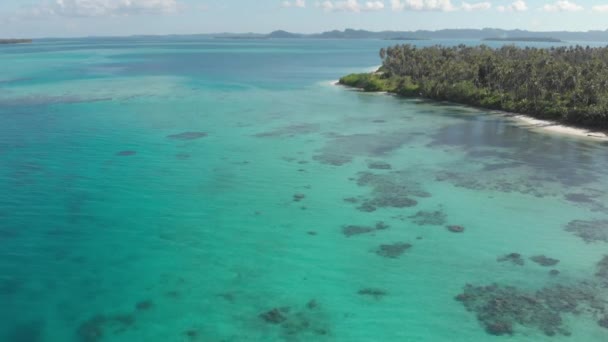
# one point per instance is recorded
(65, 18)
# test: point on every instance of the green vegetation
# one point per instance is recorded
(15, 41)
(565, 84)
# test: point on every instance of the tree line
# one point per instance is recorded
(566, 84)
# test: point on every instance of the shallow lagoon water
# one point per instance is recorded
(181, 190)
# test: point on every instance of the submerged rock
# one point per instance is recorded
(298, 197)
(373, 292)
(544, 261)
(394, 250)
(456, 229)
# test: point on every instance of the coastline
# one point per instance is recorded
(521, 120)
(545, 126)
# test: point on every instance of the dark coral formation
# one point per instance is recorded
(589, 230)
(474, 181)
(500, 308)
(276, 315)
(341, 149)
(378, 165)
(290, 131)
(373, 292)
(353, 230)
(93, 329)
(390, 190)
(187, 136)
(333, 159)
(394, 250)
(309, 320)
(579, 198)
(591, 199)
(429, 218)
(455, 229)
(126, 153)
(544, 260)
(192, 334)
(144, 305)
(514, 258)
(602, 269)
(298, 197)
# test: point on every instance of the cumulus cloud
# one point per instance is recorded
(351, 5)
(423, 5)
(517, 6)
(94, 8)
(600, 8)
(477, 6)
(562, 6)
(295, 3)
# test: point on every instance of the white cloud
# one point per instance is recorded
(562, 6)
(94, 8)
(477, 6)
(517, 6)
(600, 8)
(423, 5)
(351, 5)
(295, 3)
(373, 5)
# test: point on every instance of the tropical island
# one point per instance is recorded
(525, 39)
(15, 41)
(568, 85)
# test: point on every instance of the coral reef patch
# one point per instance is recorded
(308, 322)
(514, 258)
(500, 309)
(394, 250)
(589, 230)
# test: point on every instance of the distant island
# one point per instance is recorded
(526, 39)
(15, 41)
(483, 34)
(564, 84)
(406, 38)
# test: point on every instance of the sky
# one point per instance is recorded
(78, 18)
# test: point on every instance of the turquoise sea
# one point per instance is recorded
(179, 189)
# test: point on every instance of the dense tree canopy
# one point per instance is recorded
(567, 84)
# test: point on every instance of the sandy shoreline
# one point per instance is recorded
(552, 127)
(533, 124)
